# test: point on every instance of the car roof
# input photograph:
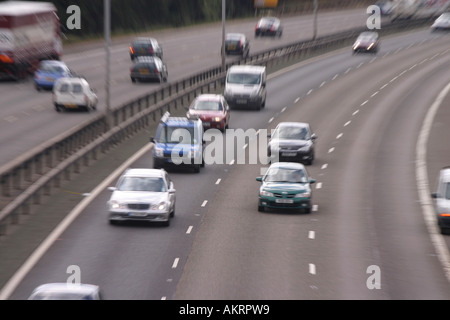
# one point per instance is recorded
(72, 80)
(445, 174)
(67, 287)
(235, 35)
(247, 68)
(293, 124)
(181, 121)
(288, 165)
(143, 172)
(209, 96)
(143, 40)
(368, 34)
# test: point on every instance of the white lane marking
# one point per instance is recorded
(315, 207)
(347, 71)
(322, 84)
(297, 100)
(309, 92)
(373, 59)
(231, 162)
(218, 181)
(423, 187)
(312, 268)
(364, 103)
(14, 281)
(11, 119)
(175, 263)
(359, 65)
(324, 166)
(163, 298)
(335, 76)
(271, 119)
(347, 123)
(384, 86)
(284, 109)
(204, 203)
(331, 150)
(311, 234)
(319, 185)
(339, 136)
(355, 113)
(188, 231)
(393, 79)
(374, 94)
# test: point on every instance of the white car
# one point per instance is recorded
(142, 195)
(66, 291)
(442, 23)
(74, 93)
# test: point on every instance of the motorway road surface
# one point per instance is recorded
(28, 118)
(367, 111)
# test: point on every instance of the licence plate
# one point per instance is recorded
(231, 47)
(284, 201)
(49, 79)
(144, 71)
(288, 154)
(241, 101)
(73, 106)
(137, 214)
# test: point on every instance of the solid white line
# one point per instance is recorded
(426, 202)
(175, 263)
(204, 203)
(218, 181)
(312, 268)
(311, 234)
(188, 231)
(12, 283)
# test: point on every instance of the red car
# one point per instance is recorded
(212, 109)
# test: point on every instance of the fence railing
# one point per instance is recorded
(27, 179)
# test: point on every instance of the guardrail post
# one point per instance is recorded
(6, 185)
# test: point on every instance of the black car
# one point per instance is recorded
(367, 41)
(237, 43)
(292, 142)
(145, 47)
(148, 69)
(269, 26)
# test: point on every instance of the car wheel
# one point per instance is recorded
(133, 80)
(38, 88)
(307, 210)
(113, 222)
(196, 168)
(172, 214)
(58, 107)
(167, 223)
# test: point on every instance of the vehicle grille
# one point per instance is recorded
(288, 196)
(138, 206)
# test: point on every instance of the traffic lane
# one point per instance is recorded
(438, 149)
(134, 261)
(346, 242)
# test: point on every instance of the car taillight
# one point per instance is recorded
(131, 50)
(5, 59)
(156, 71)
(272, 28)
(150, 50)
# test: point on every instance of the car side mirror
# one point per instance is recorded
(152, 139)
(311, 181)
(313, 136)
(259, 179)
(435, 195)
(172, 190)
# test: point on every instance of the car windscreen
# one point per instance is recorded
(447, 192)
(77, 89)
(52, 68)
(178, 135)
(285, 175)
(150, 184)
(244, 78)
(291, 133)
(207, 105)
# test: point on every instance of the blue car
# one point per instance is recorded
(178, 141)
(48, 72)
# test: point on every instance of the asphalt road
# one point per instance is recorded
(28, 118)
(367, 111)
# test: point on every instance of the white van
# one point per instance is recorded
(74, 93)
(442, 196)
(245, 86)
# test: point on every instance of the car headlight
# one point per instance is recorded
(160, 206)
(116, 205)
(266, 193)
(217, 119)
(159, 152)
(303, 195)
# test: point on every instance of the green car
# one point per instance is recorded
(286, 185)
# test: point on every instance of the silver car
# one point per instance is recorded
(143, 195)
(442, 196)
(66, 291)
